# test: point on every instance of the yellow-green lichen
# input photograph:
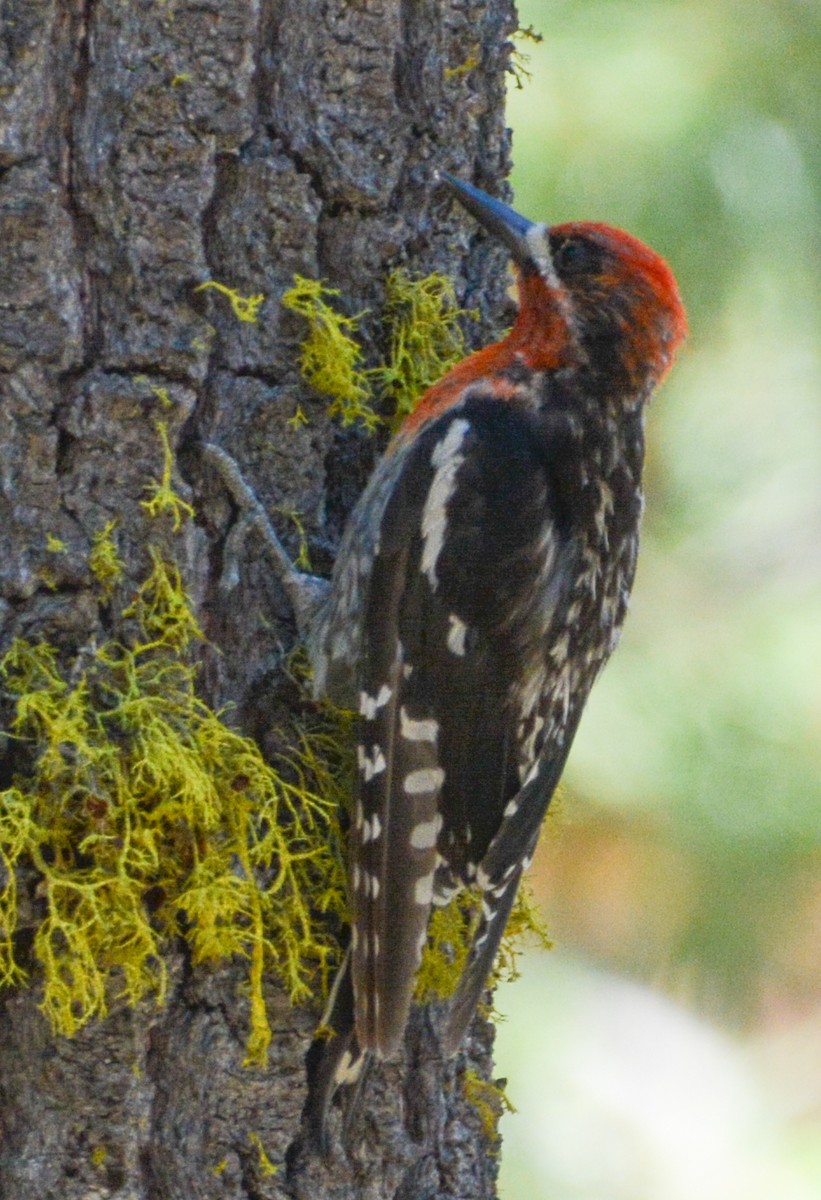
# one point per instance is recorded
(298, 419)
(524, 926)
(161, 393)
(245, 308)
(264, 1165)
(303, 559)
(450, 936)
(423, 330)
(163, 498)
(470, 64)
(104, 560)
(518, 67)
(48, 578)
(330, 359)
(426, 339)
(489, 1101)
(148, 818)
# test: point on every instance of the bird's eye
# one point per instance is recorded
(574, 256)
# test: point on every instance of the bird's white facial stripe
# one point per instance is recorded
(539, 247)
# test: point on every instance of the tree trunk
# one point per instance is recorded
(147, 147)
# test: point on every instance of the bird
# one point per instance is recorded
(480, 586)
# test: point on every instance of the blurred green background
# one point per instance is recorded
(680, 1014)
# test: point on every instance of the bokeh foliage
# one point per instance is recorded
(695, 126)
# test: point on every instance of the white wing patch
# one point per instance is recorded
(417, 731)
(370, 764)
(424, 780)
(424, 835)
(371, 829)
(456, 635)
(370, 705)
(423, 890)
(447, 460)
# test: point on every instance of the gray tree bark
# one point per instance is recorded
(146, 147)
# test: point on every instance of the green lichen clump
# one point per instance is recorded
(147, 818)
(450, 936)
(423, 332)
(330, 360)
(426, 339)
(104, 560)
(264, 1165)
(489, 1101)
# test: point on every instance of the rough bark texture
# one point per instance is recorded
(145, 147)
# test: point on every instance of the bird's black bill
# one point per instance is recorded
(497, 218)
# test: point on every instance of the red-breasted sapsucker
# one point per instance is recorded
(479, 589)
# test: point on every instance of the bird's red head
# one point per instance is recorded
(624, 315)
(592, 299)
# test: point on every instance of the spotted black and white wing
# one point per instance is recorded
(465, 576)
